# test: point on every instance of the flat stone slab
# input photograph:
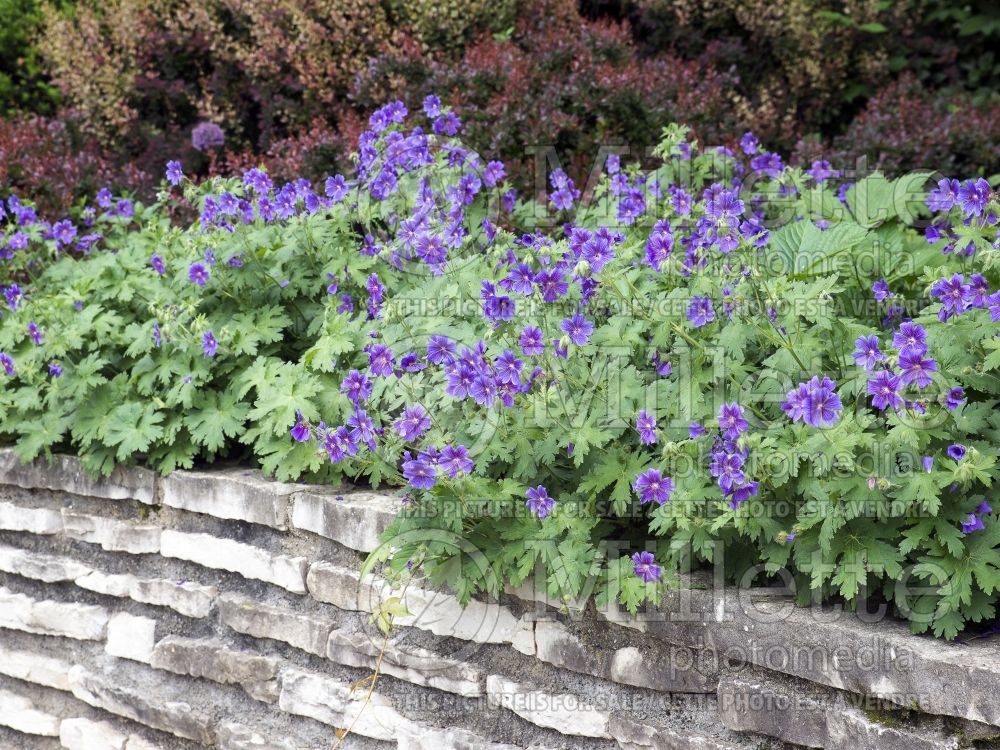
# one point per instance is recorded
(20, 714)
(238, 494)
(309, 633)
(66, 474)
(355, 519)
(84, 622)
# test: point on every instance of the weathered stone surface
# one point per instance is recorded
(441, 614)
(186, 597)
(66, 474)
(145, 707)
(47, 568)
(239, 494)
(406, 662)
(851, 728)
(523, 639)
(234, 736)
(244, 615)
(213, 660)
(332, 702)
(342, 587)
(636, 735)
(84, 734)
(80, 621)
(564, 712)
(113, 535)
(236, 557)
(131, 637)
(453, 739)
(34, 667)
(21, 714)
(355, 519)
(33, 520)
(748, 703)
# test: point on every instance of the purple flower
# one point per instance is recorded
(984, 508)
(198, 274)
(362, 428)
(207, 135)
(954, 294)
(973, 196)
(381, 360)
(413, 423)
(956, 451)
(440, 350)
(955, 398)
(174, 173)
(63, 232)
(916, 369)
(749, 143)
(8, 364)
(823, 406)
(768, 164)
(646, 426)
(419, 474)
(158, 265)
(821, 171)
(911, 338)
(700, 311)
(55, 370)
(508, 368)
(695, 430)
(532, 341)
(644, 566)
(338, 443)
(651, 485)
(209, 345)
(884, 389)
(493, 173)
(866, 352)
(944, 196)
(357, 386)
(928, 462)
(881, 289)
(539, 502)
(35, 334)
(578, 328)
(455, 460)
(300, 432)
(972, 523)
(552, 283)
(731, 421)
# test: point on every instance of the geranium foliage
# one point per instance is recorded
(717, 359)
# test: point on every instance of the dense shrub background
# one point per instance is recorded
(291, 82)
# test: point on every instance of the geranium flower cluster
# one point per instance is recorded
(728, 459)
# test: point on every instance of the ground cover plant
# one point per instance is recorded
(716, 353)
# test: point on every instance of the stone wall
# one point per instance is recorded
(218, 609)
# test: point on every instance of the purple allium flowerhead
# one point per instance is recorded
(884, 387)
(209, 345)
(381, 360)
(532, 341)
(413, 423)
(454, 460)
(695, 430)
(881, 289)
(55, 370)
(158, 264)
(644, 566)
(957, 451)
(928, 462)
(645, 424)
(419, 474)
(440, 350)
(972, 523)
(651, 485)
(175, 174)
(8, 364)
(731, 421)
(207, 135)
(356, 386)
(300, 432)
(578, 328)
(539, 502)
(866, 352)
(198, 274)
(955, 398)
(916, 369)
(35, 333)
(911, 338)
(700, 311)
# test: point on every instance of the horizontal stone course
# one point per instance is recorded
(32, 520)
(21, 714)
(71, 620)
(355, 519)
(66, 474)
(225, 554)
(237, 494)
(111, 534)
(245, 615)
